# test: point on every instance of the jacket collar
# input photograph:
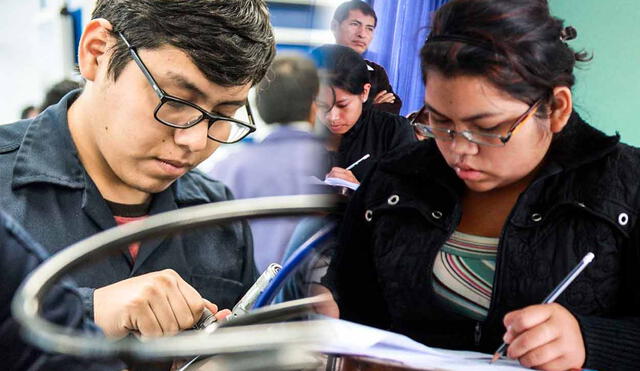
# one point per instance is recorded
(285, 132)
(578, 144)
(47, 153)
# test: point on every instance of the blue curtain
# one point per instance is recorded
(401, 31)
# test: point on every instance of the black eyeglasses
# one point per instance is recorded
(181, 114)
(424, 125)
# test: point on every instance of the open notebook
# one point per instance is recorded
(336, 182)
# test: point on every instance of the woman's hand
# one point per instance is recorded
(544, 336)
(338, 172)
(329, 307)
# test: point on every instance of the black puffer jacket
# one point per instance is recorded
(585, 198)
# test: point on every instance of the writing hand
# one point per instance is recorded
(544, 336)
(338, 172)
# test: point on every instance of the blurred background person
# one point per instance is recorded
(344, 107)
(284, 162)
(353, 26)
(52, 96)
(29, 112)
(57, 91)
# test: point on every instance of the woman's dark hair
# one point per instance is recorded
(230, 41)
(516, 44)
(341, 67)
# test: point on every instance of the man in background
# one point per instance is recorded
(284, 162)
(353, 26)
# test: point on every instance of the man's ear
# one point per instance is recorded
(93, 47)
(561, 108)
(365, 93)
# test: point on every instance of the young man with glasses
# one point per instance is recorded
(164, 82)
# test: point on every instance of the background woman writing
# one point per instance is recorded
(344, 108)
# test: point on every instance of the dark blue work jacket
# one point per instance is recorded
(19, 255)
(44, 186)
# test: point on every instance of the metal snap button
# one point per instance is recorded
(536, 217)
(368, 215)
(623, 218)
(436, 214)
(393, 200)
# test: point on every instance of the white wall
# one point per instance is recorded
(36, 51)
(21, 84)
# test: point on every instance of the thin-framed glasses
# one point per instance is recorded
(181, 114)
(424, 125)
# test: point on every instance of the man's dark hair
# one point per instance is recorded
(288, 91)
(342, 11)
(230, 41)
(57, 91)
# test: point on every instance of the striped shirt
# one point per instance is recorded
(463, 274)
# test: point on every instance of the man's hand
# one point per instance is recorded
(338, 172)
(384, 97)
(154, 304)
(545, 336)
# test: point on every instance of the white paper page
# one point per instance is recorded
(348, 338)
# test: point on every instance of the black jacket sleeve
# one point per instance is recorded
(351, 276)
(380, 82)
(402, 133)
(614, 343)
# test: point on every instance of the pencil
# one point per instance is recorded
(359, 161)
(554, 294)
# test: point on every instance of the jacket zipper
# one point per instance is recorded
(477, 336)
(499, 257)
(499, 262)
(477, 333)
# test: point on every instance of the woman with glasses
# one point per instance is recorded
(455, 241)
(344, 107)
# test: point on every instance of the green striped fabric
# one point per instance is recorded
(463, 274)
